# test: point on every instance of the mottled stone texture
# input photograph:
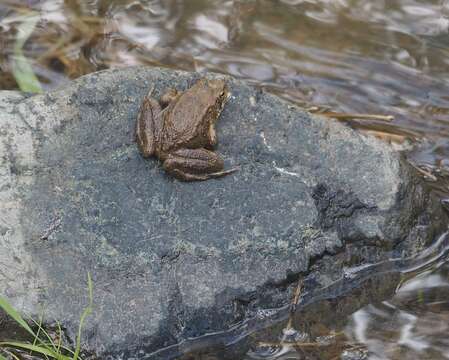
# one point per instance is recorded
(172, 260)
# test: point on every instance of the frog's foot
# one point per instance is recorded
(196, 177)
(195, 165)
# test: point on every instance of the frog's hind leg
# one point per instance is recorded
(146, 131)
(195, 165)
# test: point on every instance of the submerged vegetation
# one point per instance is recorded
(43, 343)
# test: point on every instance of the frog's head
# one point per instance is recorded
(218, 95)
(218, 91)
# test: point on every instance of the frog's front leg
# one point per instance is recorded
(195, 164)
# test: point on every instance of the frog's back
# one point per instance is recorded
(188, 120)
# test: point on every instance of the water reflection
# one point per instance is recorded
(412, 325)
(326, 323)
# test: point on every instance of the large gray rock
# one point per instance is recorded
(172, 260)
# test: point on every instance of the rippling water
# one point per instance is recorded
(356, 56)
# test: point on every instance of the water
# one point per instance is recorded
(357, 56)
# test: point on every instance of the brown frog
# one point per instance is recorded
(180, 130)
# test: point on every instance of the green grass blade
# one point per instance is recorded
(6, 306)
(40, 346)
(59, 336)
(10, 353)
(39, 327)
(37, 349)
(86, 312)
(43, 331)
(38, 339)
(24, 74)
(21, 68)
(51, 344)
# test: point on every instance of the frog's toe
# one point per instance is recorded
(180, 175)
(183, 176)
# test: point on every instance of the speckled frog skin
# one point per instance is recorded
(180, 130)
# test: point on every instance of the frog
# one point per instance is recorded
(179, 130)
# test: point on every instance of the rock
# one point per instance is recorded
(172, 261)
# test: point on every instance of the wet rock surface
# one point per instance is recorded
(170, 260)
